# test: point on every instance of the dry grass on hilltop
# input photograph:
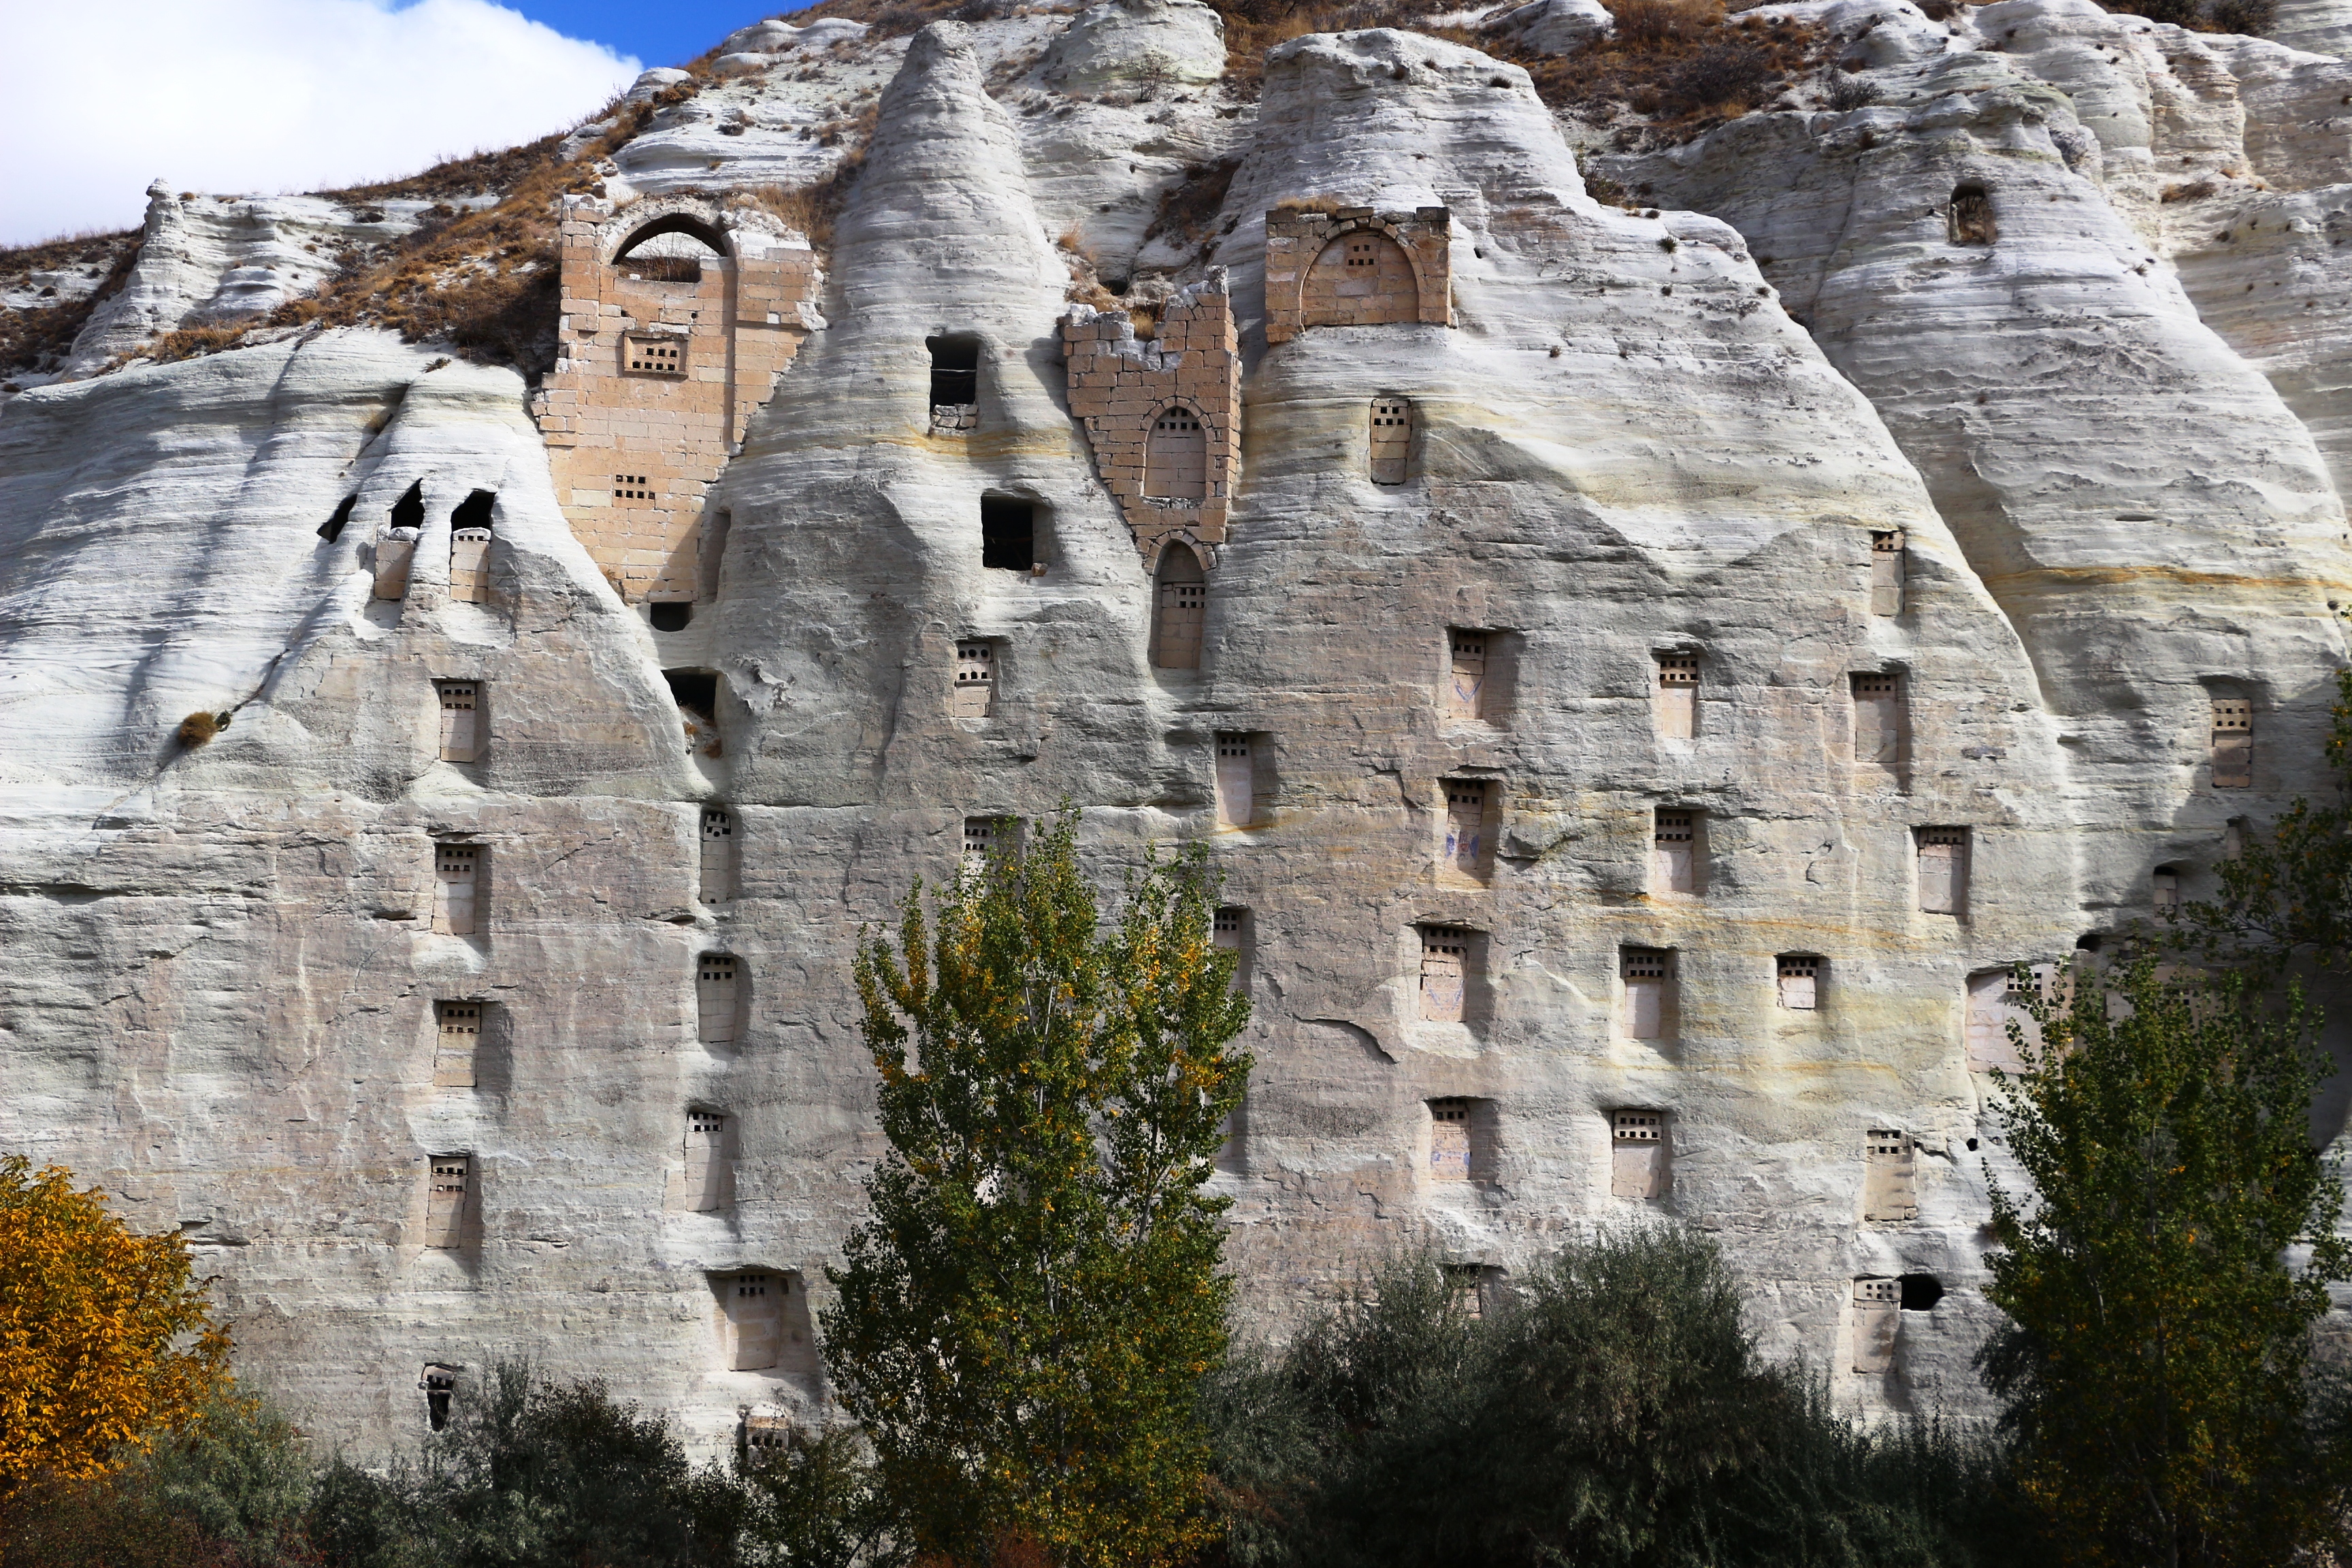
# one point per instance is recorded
(487, 279)
(1683, 66)
(484, 279)
(37, 337)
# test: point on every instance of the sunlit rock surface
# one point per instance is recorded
(2101, 439)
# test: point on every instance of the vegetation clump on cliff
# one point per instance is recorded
(36, 338)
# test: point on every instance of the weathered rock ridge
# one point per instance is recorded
(1869, 553)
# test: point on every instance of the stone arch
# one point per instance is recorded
(1364, 276)
(1202, 552)
(666, 354)
(1176, 453)
(636, 227)
(1179, 604)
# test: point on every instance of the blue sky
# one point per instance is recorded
(658, 32)
(321, 93)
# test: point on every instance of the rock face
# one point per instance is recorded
(2324, 27)
(209, 260)
(1555, 26)
(2156, 524)
(1137, 41)
(1642, 697)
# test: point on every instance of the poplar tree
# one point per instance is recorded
(1024, 1319)
(2154, 1369)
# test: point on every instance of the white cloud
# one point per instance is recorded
(249, 96)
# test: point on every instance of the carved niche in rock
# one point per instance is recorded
(1355, 267)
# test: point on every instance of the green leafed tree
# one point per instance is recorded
(2154, 1369)
(2286, 898)
(1024, 1319)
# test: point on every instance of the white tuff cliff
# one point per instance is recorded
(1645, 689)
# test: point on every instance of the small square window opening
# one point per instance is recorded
(975, 680)
(1800, 981)
(1677, 696)
(1638, 1155)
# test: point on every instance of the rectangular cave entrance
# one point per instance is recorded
(1008, 532)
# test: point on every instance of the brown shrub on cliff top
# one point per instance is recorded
(472, 276)
(480, 171)
(488, 280)
(480, 278)
(483, 277)
(36, 337)
(1682, 65)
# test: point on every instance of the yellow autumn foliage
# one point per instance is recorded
(106, 1338)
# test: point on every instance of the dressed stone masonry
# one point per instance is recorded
(1165, 418)
(666, 352)
(1351, 266)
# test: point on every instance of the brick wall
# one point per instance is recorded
(655, 381)
(1119, 387)
(1353, 267)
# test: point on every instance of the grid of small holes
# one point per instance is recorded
(655, 357)
(1638, 1126)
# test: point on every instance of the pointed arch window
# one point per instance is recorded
(1183, 599)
